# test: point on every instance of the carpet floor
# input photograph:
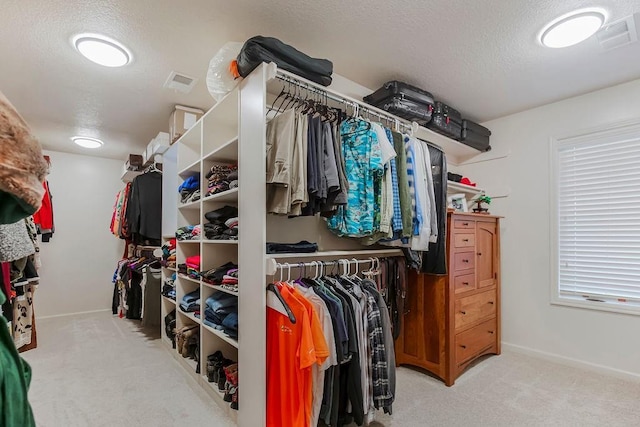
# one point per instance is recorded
(97, 370)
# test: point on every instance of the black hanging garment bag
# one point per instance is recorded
(261, 49)
(446, 121)
(475, 135)
(403, 100)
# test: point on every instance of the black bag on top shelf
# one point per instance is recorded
(475, 135)
(446, 121)
(403, 100)
(261, 49)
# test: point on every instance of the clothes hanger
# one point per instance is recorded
(284, 308)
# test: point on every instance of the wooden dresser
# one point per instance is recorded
(452, 320)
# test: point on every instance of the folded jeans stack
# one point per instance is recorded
(222, 178)
(221, 313)
(191, 302)
(223, 224)
(190, 189)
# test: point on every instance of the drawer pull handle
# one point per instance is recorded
(465, 260)
(465, 283)
(491, 332)
(491, 302)
(463, 312)
(465, 240)
(479, 253)
(463, 346)
(465, 223)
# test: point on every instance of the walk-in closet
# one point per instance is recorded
(303, 214)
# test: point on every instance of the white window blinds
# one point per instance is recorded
(599, 219)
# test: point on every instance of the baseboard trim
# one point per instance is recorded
(71, 314)
(569, 361)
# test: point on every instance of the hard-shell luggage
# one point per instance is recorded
(475, 135)
(446, 120)
(261, 49)
(403, 100)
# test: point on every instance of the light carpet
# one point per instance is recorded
(97, 370)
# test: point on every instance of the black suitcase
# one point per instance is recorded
(475, 136)
(261, 49)
(403, 100)
(446, 121)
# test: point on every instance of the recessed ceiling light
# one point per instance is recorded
(102, 50)
(86, 142)
(572, 28)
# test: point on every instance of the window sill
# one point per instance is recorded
(597, 306)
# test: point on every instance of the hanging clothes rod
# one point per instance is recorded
(350, 102)
(411, 127)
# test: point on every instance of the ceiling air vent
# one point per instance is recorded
(617, 34)
(180, 82)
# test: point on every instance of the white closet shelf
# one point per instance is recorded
(227, 152)
(225, 196)
(167, 341)
(182, 276)
(169, 300)
(219, 288)
(190, 170)
(171, 268)
(189, 241)
(455, 187)
(190, 205)
(456, 151)
(221, 242)
(190, 316)
(221, 335)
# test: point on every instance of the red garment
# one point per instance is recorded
(44, 217)
(6, 279)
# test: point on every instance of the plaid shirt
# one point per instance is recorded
(382, 396)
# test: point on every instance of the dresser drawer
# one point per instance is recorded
(464, 223)
(470, 343)
(475, 307)
(464, 283)
(464, 240)
(464, 260)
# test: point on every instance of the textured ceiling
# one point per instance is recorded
(480, 56)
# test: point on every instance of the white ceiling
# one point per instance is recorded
(480, 56)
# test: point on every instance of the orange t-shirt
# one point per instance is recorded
(291, 351)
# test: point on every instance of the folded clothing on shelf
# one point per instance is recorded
(220, 177)
(193, 261)
(223, 224)
(215, 276)
(287, 248)
(169, 287)
(182, 269)
(221, 313)
(190, 189)
(191, 301)
(188, 232)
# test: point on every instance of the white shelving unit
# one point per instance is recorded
(234, 130)
(469, 191)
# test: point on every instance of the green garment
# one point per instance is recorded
(15, 377)
(403, 185)
(13, 209)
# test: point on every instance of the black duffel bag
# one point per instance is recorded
(261, 49)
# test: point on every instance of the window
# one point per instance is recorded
(596, 220)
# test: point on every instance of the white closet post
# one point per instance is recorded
(252, 248)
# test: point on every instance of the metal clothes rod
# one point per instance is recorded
(347, 102)
(412, 127)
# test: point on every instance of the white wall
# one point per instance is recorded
(528, 320)
(78, 262)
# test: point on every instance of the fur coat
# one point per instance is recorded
(22, 166)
